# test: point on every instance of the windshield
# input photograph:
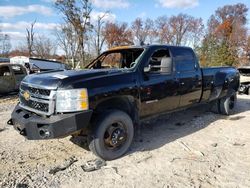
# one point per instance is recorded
(118, 59)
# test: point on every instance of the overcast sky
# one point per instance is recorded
(16, 15)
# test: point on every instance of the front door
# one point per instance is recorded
(159, 88)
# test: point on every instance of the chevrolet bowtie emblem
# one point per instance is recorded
(26, 95)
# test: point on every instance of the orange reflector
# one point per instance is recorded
(84, 105)
(84, 94)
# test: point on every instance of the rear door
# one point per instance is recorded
(189, 75)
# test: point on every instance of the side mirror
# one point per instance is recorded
(147, 69)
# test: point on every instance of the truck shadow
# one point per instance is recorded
(8, 95)
(167, 128)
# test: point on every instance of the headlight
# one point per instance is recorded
(72, 100)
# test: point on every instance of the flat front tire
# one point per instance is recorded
(111, 135)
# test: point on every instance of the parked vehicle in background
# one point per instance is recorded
(244, 80)
(4, 60)
(106, 101)
(34, 65)
(11, 76)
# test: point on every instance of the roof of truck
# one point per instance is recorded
(125, 48)
(143, 47)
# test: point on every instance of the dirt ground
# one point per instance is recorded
(192, 148)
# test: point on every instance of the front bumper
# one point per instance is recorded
(36, 127)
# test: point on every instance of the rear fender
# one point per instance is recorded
(225, 84)
(218, 86)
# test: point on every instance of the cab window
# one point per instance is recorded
(184, 59)
(112, 60)
(160, 62)
(118, 59)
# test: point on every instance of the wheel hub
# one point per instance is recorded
(115, 136)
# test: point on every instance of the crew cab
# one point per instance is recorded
(106, 100)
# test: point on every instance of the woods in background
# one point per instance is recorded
(223, 40)
(226, 41)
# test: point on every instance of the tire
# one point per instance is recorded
(242, 89)
(215, 106)
(227, 104)
(111, 135)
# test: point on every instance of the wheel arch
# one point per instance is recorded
(126, 103)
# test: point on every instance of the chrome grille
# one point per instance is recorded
(44, 107)
(40, 99)
(36, 91)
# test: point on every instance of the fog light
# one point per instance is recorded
(44, 133)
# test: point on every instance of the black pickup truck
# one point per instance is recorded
(107, 99)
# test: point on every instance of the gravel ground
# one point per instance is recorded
(192, 148)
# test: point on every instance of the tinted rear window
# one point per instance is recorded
(184, 59)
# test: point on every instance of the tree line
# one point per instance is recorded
(223, 40)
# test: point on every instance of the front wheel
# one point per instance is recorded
(227, 104)
(111, 135)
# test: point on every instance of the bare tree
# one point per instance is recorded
(117, 34)
(184, 27)
(138, 31)
(44, 47)
(143, 31)
(163, 30)
(67, 40)
(30, 38)
(179, 30)
(97, 34)
(77, 13)
(196, 33)
(5, 45)
(151, 29)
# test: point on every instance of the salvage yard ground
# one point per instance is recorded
(192, 148)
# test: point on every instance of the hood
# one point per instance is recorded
(54, 79)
